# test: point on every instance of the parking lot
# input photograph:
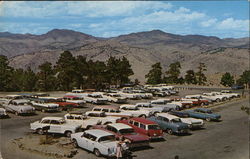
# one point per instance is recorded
(227, 139)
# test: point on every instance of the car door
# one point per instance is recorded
(91, 142)
(55, 127)
(84, 140)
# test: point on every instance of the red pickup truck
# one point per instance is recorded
(144, 126)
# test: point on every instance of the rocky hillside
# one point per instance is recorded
(142, 49)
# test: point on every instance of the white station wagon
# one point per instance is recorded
(99, 142)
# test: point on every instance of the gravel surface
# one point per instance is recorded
(227, 139)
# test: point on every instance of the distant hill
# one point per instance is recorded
(142, 49)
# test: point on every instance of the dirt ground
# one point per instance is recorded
(227, 139)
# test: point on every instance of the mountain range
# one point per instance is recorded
(142, 49)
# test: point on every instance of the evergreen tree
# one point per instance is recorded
(172, 75)
(29, 80)
(125, 71)
(5, 74)
(200, 76)
(66, 70)
(82, 71)
(244, 78)
(227, 79)
(46, 78)
(190, 77)
(154, 75)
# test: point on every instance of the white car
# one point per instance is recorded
(8, 98)
(114, 97)
(44, 105)
(54, 125)
(135, 111)
(234, 95)
(20, 106)
(95, 99)
(153, 109)
(166, 103)
(102, 117)
(110, 111)
(3, 113)
(77, 92)
(74, 99)
(199, 96)
(214, 97)
(132, 96)
(143, 94)
(226, 96)
(97, 141)
(79, 119)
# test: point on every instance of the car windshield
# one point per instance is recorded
(96, 96)
(108, 138)
(176, 120)
(126, 131)
(116, 95)
(153, 127)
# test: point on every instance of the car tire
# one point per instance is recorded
(170, 131)
(97, 152)
(108, 122)
(40, 131)
(208, 119)
(217, 100)
(68, 133)
(75, 144)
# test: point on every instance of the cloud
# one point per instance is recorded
(231, 23)
(209, 22)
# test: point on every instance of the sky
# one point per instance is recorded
(224, 19)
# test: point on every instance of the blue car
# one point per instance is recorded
(203, 113)
(170, 123)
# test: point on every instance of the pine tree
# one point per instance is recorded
(190, 77)
(227, 79)
(155, 74)
(200, 76)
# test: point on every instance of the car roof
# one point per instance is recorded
(98, 132)
(143, 103)
(119, 126)
(143, 121)
(128, 106)
(204, 109)
(166, 115)
(18, 101)
(13, 95)
(53, 118)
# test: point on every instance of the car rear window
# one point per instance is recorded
(126, 131)
(108, 138)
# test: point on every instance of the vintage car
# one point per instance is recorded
(199, 97)
(144, 126)
(55, 125)
(170, 123)
(99, 142)
(143, 94)
(214, 97)
(102, 117)
(167, 103)
(74, 99)
(135, 111)
(77, 92)
(226, 96)
(44, 105)
(130, 95)
(120, 129)
(3, 113)
(79, 119)
(114, 97)
(7, 98)
(234, 95)
(196, 102)
(63, 104)
(151, 108)
(95, 99)
(236, 86)
(203, 113)
(19, 107)
(192, 122)
(110, 111)
(157, 92)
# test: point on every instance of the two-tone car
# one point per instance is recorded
(234, 95)
(119, 129)
(19, 107)
(135, 111)
(144, 126)
(192, 122)
(170, 123)
(203, 113)
(100, 142)
(55, 125)
(44, 105)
